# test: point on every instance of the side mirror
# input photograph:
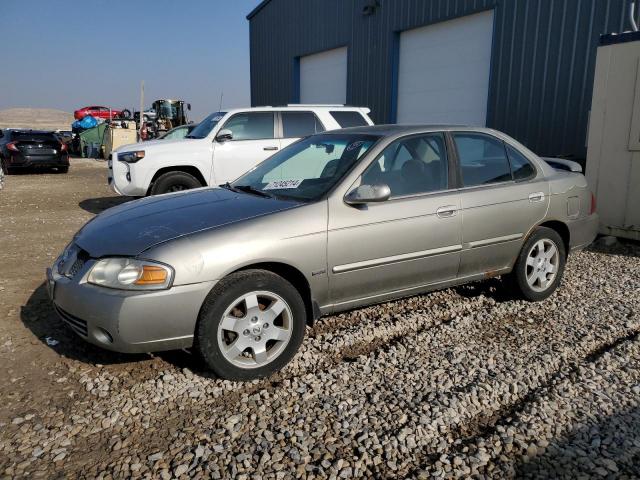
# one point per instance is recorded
(368, 194)
(224, 135)
(188, 106)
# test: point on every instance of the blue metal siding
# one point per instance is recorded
(542, 65)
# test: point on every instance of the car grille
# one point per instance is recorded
(74, 262)
(77, 325)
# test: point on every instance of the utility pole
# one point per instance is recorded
(141, 117)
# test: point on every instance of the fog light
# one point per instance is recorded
(103, 336)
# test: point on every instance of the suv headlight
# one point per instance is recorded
(130, 274)
(131, 157)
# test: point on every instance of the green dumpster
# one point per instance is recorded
(91, 140)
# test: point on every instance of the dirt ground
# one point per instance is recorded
(457, 383)
(40, 212)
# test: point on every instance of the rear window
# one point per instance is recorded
(520, 166)
(300, 124)
(349, 119)
(34, 136)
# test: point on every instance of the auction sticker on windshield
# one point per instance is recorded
(282, 184)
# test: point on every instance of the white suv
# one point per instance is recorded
(222, 147)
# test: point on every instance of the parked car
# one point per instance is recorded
(32, 148)
(104, 113)
(222, 147)
(147, 115)
(335, 221)
(178, 133)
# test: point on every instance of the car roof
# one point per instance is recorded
(27, 131)
(392, 129)
(299, 106)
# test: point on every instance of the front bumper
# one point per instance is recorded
(127, 321)
(582, 232)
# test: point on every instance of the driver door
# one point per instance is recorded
(407, 242)
(253, 141)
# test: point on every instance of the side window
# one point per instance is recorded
(410, 166)
(251, 125)
(483, 159)
(300, 124)
(348, 119)
(520, 166)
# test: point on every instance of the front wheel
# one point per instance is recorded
(250, 326)
(174, 182)
(540, 265)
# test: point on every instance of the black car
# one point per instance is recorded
(32, 148)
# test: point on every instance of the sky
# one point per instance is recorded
(66, 54)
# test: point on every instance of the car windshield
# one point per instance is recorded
(307, 169)
(205, 126)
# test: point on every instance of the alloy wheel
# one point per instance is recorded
(255, 329)
(543, 261)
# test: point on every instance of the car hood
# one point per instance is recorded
(136, 226)
(152, 146)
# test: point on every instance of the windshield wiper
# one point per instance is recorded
(228, 186)
(250, 189)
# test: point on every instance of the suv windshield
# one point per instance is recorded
(205, 126)
(309, 168)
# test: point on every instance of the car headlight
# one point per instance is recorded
(131, 157)
(130, 274)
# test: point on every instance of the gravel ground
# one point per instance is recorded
(460, 382)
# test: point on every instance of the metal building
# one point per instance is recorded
(521, 66)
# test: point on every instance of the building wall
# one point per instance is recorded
(543, 57)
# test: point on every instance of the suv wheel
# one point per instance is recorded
(250, 326)
(540, 265)
(174, 182)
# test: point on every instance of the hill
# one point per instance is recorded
(36, 118)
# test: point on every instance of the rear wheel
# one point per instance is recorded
(62, 169)
(540, 265)
(174, 182)
(251, 325)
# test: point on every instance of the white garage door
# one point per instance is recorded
(323, 77)
(443, 72)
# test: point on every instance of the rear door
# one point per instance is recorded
(254, 140)
(499, 206)
(297, 124)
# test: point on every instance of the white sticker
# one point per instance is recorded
(354, 145)
(217, 118)
(282, 184)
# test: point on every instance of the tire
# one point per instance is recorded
(174, 182)
(125, 114)
(260, 310)
(536, 276)
(62, 169)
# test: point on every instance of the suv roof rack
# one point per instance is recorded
(316, 105)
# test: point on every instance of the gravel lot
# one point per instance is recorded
(455, 383)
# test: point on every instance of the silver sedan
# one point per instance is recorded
(335, 221)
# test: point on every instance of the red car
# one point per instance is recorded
(101, 112)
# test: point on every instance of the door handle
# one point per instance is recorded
(270, 148)
(536, 197)
(447, 211)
